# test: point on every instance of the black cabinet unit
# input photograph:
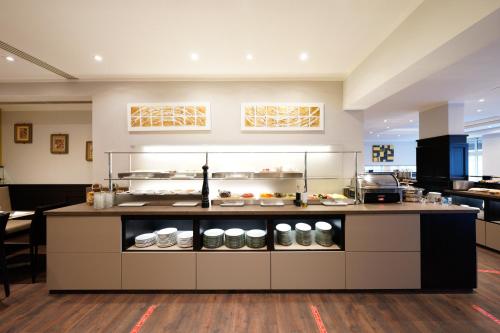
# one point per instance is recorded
(441, 160)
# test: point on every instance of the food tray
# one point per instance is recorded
(278, 175)
(145, 175)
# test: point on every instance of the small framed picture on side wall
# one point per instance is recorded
(23, 133)
(88, 151)
(59, 143)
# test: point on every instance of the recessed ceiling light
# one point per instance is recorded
(388, 127)
(10, 58)
(195, 56)
(411, 120)
(371, 132)
(385, 120)
(490, 126)
(249, 56)
(399, 134)
(481, 100)
(303, 56)
(378, 135)
(98, 58)
(479, 110)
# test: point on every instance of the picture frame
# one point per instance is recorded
(59, 143)
(89, 151)
(23, 133)
(383, 153)
(282, 117)
(169, 116)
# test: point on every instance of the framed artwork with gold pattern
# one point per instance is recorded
(23, 133)
(183, 116)
(59, 143)
(282, 116)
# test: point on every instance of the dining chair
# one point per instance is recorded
(4, 218)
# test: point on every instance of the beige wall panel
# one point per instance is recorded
(84, 271)
(383, 270)
(382, 232)
(236, 270)
(159, 271)
(308, 270)
(481, 232)
(74, 234)
(493, 235)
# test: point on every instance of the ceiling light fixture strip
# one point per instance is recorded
(36, 61)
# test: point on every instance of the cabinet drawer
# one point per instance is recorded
(238, 270)
(78, 234)
(382, 232)
(84, 271)
(493, 235)
(383, 270)
(481, 232)
(166, 271)
(308, 270)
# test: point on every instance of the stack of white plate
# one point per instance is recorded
(256, 238)
(303, 234)
(324, 233)
(185, 239)
(145, 240)
(235, 238)
(284, 234)
(213, 238)
(166, 237)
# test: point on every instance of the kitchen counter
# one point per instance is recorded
(375, 246)
(389, 208)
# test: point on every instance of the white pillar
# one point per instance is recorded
(447, 119)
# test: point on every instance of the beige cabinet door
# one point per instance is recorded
(382, 232)
(480, 232)
(233, 270)
(383, 270)
(159, 270)
(493, 235)
(83, 234)
(308, 270)
(84, 271)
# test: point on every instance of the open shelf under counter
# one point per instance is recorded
(225, 248)
(297, 247)
(156, 248)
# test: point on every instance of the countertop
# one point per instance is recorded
(472, 194)
(388, 208)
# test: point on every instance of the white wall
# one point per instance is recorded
(491, 155)
(446, 119)
(33, 163)
(405, 152)
(109, 113)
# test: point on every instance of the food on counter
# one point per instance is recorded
(265, 170)
(279, 194)
(266, 195)
(247, 195)
(326, 196)
(224, 194)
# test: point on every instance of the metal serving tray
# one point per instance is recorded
(145, 175)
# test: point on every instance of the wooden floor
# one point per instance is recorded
(31, 309)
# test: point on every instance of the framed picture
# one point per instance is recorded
(168, 116)
(282, 116)
(59, 143)
(89, 151)
(383, 153)
(23, 133)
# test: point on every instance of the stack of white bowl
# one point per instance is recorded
(303, 234)
(284, 232)
(166, 237)
(145, 240)
(185, 239)
(324, 233)
(213, 238)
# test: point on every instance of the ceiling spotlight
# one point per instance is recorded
(303, 56)
(195, 56)
(9, 58)
(411, 120)
(481, 100)
(385, 120)
(378, 135)
(399, 135)
(490, 126)
(98, 58)
(479, 110)
(388, 127)
(249, 56)
(371, 132)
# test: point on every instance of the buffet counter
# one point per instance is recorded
(376, 246)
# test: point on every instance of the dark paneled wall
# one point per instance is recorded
(30, 196)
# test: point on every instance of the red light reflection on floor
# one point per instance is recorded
(143, 319)
(486, 313)
(317, 319)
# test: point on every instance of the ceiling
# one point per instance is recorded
(155, 41)
(474, 81)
